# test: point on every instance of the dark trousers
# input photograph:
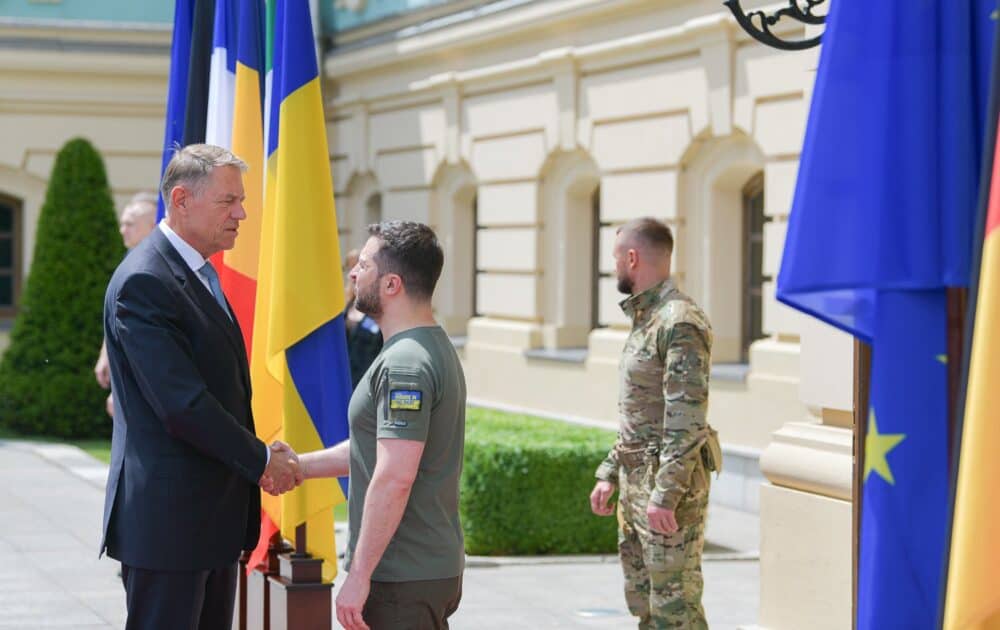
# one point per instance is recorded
(179, 600)
(420, 605)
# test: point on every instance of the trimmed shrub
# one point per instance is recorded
(47, 384)
(526, 486)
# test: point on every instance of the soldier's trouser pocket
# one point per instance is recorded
(694, 504)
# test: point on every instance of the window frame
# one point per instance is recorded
(752, 190)
(16, 235)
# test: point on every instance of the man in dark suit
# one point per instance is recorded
(182, 496)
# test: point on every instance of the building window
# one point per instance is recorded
(753, 262)
(10, 255)
(373, 210)
(597, 276)
(474, 293)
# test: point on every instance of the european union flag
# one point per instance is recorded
(881, 224)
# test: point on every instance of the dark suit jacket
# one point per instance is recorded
(182, 492)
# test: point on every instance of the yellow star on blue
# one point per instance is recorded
(877, 446)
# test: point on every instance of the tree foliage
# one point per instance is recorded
(47, 384)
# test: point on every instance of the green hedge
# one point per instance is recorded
(47, 384)
(526, 486)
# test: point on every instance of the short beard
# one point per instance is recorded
(625, 285)
(368, 302)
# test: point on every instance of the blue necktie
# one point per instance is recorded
(208, 272)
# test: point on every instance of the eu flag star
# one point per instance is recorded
(877, 446)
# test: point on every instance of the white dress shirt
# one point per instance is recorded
(191, 257)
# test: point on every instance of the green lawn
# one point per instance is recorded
(340, 512)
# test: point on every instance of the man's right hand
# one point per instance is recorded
(282, 473)
(600, 498)
(102, 370)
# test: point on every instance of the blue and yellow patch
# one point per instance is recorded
(408, 399)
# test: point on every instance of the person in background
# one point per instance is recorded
(665, 447)
(364, 338)
(137, 220)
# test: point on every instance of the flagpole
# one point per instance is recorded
(862, 385)
(958, 301)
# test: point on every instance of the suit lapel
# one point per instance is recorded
(201, 296)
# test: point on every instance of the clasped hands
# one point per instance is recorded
(283, 472)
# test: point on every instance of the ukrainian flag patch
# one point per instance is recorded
(407, 399)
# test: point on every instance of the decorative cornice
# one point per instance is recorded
(685, 38)
(109, 63)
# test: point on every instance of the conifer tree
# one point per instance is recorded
(47, 384)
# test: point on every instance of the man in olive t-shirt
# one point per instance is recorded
(406, 553)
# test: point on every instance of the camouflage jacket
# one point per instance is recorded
(663, 397)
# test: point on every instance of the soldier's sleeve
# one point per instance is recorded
(685, 392)
(608, 470)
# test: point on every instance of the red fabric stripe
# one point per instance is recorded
(993, 213)
(241, 291)
(267, 529)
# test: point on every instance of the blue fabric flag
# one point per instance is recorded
(180, 51)
(904, 500)
(888, 177)
(881, 224)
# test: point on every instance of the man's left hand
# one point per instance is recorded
(351, 602)
(661, 520)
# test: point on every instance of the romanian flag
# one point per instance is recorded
(238, 268)
(881, 226)
(299, 363)
(972, 594)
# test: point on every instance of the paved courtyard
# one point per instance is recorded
(50, 576)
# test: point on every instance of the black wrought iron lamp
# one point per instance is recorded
(758, 23)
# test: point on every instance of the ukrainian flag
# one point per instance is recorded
(299, 324)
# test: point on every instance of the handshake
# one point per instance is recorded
(283, 472)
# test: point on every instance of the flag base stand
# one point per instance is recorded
(258, 592)
(300, 600)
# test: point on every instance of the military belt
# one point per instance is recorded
(634, 455)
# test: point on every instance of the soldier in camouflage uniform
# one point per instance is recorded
(665, 448)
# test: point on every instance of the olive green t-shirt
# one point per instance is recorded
(414, 390)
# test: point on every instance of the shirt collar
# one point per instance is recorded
(190, 255)
(638, 306)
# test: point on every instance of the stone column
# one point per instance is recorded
(805, 510)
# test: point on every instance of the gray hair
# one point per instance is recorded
(193, 164)
(141, 204)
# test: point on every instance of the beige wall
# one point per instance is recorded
(95, 87)
(666, 108)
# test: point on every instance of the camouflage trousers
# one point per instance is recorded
(663, 581)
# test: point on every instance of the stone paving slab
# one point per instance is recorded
(50, 575)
